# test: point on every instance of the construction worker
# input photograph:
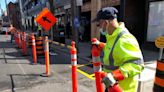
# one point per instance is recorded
(12, 30)
(39, 31)
(123, 60)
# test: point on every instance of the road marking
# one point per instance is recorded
(90, 76)
(20, 66)
(86, 74)
(4, 55)
(61, 44)
(7, 90)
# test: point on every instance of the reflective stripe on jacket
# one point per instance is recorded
(126, 56)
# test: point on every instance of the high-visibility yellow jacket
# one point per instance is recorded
(39, 28)
(125, 56)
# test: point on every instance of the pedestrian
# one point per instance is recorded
(123, 60)
(12, 30)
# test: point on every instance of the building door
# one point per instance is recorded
(86, 25)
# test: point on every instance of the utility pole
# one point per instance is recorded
(75, 21)
(52, 8)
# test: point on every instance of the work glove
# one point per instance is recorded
(95, 41)
(109, 80)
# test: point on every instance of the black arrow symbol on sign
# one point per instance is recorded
(45, 19)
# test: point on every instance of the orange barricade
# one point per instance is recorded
(73, 52)
(39, 46)
(159, 78)
(29, 41)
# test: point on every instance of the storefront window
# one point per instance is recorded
(155, 20)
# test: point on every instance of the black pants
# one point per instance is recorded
(12, 37)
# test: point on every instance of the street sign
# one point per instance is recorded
(46, 19)
(159, 42)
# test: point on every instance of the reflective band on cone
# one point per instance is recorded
(73, 56)
(74, 63)
(97, 69)
(33, 42)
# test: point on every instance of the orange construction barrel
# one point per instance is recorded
(29, 41)
(159, 77)
(39, 46)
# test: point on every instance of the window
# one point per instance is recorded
(155, 20)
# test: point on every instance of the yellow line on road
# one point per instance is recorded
(90, 76)
(61, 44)
(86, 74)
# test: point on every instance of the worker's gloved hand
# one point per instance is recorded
(95, 41)
(109, 80)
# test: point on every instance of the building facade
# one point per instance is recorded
(29, 10)
(14, 14)
(135, 14)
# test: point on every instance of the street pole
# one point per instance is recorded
(52, 8)
(74, 20)
(122, 10)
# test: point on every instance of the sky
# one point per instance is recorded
(3, 5)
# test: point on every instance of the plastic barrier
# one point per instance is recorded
(97, 67)
(73, 52)
(34, 49)
(19, 40)
(29, 41)
(24, 47)
(47, 59)
(159, 78)
(39, 46)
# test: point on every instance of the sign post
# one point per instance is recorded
(159, 42)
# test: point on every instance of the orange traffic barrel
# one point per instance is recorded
(159, 77)
(29, 41)
(39, 46)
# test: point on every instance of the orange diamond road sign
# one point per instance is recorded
(46, 19)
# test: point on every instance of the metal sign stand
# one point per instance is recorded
(160, 54)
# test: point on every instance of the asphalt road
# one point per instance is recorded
(18, 75)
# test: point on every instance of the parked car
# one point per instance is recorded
(4, 29)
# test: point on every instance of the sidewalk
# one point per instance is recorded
(18, 75)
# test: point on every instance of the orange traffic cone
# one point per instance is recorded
(73, 52)
(34, 49)
(24, 47)
(47, 59)
(97, 67)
